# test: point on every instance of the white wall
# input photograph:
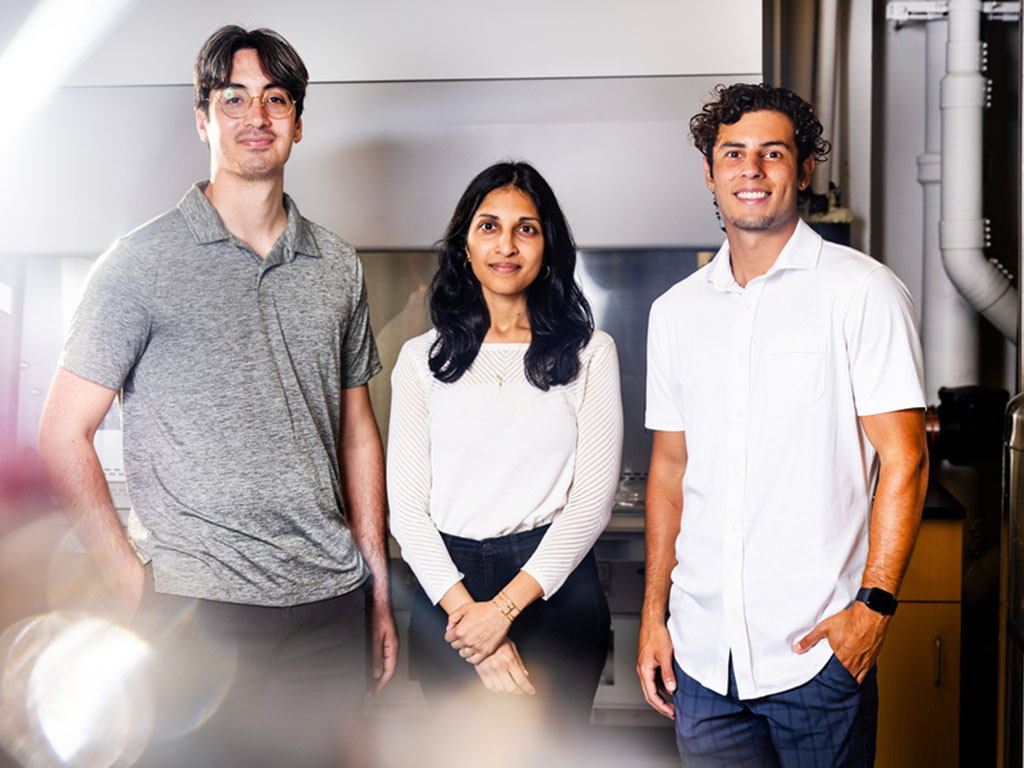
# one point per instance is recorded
(352, 40)
(403, 111)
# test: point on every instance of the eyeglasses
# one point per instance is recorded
(235, 102)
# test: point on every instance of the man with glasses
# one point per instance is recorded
(237, 335)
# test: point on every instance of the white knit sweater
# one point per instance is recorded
(491, 454)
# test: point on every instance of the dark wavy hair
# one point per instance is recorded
(212, 68)
(560, 319)
(734, 101)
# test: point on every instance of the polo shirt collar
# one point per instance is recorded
(800, 252)
(206, 226)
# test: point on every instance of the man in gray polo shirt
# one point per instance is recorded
(237, 333)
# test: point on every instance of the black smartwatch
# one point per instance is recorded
(878, 600)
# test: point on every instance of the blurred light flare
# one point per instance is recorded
(77, 685)
(54, 39)
(73, 692)
(82, 691)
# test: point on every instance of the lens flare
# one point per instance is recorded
(74, 692)
(192, 670)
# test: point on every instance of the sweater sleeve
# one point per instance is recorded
(596, 473)
(408, 475)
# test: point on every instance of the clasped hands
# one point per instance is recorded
(479, 632)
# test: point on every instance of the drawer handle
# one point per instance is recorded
(938, 661)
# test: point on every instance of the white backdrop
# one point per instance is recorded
(408, 101)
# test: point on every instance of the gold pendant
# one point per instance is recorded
(501, 381)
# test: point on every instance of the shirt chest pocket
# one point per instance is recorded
(794, 370)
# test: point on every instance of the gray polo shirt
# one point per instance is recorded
(231, 369)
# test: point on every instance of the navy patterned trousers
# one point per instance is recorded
(828, 722)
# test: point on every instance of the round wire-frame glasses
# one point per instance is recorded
(235, 102)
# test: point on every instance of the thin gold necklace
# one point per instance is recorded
(504, 372)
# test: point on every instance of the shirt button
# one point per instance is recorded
(740, 414)
(741, 359)
(736, 469)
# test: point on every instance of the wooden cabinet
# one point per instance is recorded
(919, 668)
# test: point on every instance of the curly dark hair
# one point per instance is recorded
(733, 101)
(212, 68)
(561, 322)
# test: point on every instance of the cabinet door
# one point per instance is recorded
(934, 570)
(919, 688)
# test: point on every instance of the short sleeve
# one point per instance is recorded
(111, 325)
(360, 361)
(884, 349)
(664, 410)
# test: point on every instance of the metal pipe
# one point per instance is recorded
(825, 89)
(949, 324)
(963, 232)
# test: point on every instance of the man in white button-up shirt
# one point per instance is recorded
(784, 379)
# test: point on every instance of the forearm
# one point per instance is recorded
(370, 538)
(895, 518)
(80, 486)
(662, 528)
(522, 590)
(362, 480)
(662, 514)
(570, 536)
(455, 597)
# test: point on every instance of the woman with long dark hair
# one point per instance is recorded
(504, 449)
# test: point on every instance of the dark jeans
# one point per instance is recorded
(255, 686)
(563, 641)
(828, 722)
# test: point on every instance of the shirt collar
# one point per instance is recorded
(800, 252)
(206, 226)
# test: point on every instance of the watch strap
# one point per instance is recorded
(878, 600)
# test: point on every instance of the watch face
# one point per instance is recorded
(878, 600)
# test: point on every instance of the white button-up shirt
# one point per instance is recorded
(768, 382)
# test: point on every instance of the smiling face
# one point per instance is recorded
(756, 174)
(253, 146)
(505, 244)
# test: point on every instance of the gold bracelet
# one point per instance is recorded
(504, 612)
(507, 607)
